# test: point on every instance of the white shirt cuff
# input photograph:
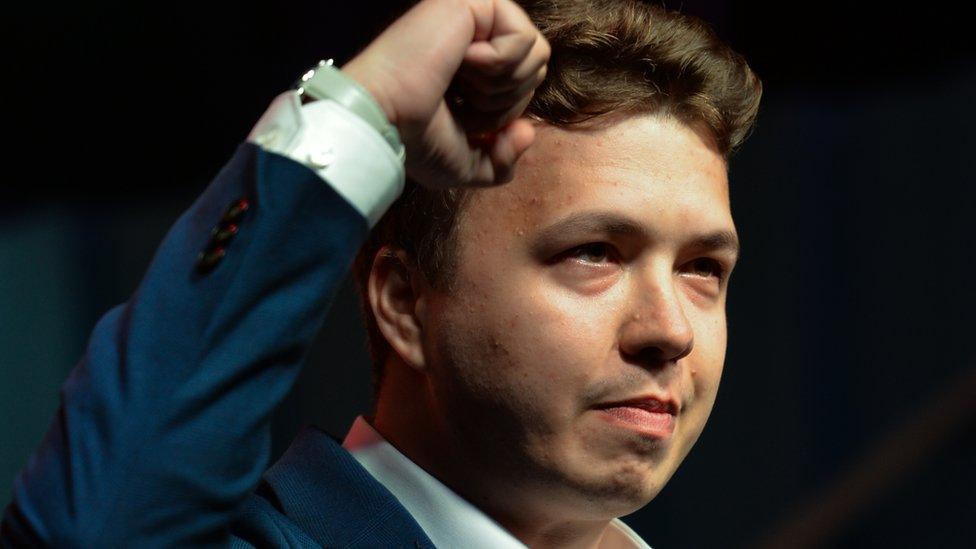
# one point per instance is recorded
(343, 149)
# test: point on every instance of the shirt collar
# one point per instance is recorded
(447, 518)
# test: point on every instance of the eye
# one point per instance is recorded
(594, 252)
(707, 267)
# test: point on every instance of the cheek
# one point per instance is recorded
(563, 338)
(530, 346)
(705, 366)
(711, 341)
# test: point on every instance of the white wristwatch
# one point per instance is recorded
(326, 81)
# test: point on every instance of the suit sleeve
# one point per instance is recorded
(163, 427)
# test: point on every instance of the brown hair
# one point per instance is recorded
(607, 56)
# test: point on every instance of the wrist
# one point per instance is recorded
(358, 70)
(325, 81)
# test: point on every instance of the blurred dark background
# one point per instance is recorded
(847, 414)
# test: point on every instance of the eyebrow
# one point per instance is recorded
(726, 241)
(610, 223)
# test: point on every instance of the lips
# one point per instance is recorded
(650, 416)
(650, 403)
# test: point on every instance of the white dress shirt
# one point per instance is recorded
(343, 149)
(355, 160)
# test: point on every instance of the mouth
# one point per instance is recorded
(650, 416)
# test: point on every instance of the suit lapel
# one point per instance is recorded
(318, 485)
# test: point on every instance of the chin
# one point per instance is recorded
(623, 489)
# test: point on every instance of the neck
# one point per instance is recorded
(407, 417)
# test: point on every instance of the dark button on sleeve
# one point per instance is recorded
(236, 211)
(209, 259)
(221, 235)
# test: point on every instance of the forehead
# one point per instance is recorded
(655, 171)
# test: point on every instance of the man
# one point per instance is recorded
(547, 323)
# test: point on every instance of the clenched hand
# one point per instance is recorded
(488, 54)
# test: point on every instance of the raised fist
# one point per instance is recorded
(454, 76)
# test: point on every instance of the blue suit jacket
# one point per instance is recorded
(163, 430)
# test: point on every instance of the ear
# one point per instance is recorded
(395, 296)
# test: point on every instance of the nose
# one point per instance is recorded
(656, 330)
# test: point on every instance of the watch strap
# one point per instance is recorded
(326, 81)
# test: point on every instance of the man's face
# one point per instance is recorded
(577, 358)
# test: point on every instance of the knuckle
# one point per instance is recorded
(541, 75)
(546, 48)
